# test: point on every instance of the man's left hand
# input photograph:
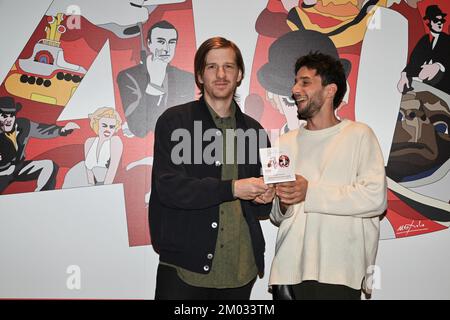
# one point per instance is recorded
(267, 196)
(292, 192)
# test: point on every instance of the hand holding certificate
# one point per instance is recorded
(276, 165)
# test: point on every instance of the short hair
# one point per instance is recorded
(207, 46)
(105, 112)
(163, 24)
(330, 71)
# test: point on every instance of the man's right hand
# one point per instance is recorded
(250, 188)
(292, 192)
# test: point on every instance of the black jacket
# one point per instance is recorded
(185, 198)
(424, 53)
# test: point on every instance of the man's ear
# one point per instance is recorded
(200, 78)
(239, 79)
(331, 89)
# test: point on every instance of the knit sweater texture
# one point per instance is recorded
(332, 236)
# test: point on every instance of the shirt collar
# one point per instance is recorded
(216, 117)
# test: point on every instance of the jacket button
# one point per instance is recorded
(218, 163)
(214, 225)
(209, 256)
(218, 133)
(206, 268)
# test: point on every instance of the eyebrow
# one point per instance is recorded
(165, 39)
(225, 63)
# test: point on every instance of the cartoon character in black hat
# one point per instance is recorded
(430, 59)
(14, 135)
(277, 75)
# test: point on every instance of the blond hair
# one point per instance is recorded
(105, 112)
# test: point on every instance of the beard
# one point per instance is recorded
(310, 110)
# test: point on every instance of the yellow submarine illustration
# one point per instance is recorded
(46, 76)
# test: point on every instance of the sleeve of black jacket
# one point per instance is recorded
(174, 187)
(262, 211)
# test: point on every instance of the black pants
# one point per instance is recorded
(170, 287)
(313, 290)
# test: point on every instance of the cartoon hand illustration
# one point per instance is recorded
(126, 131)
(157, 70)
(8, 171)
(403, 82)
(69, 127)
(429, 71)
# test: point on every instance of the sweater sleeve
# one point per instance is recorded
(174, 186)
(366, 197)
(276, 216)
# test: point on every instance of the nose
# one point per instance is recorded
(296, 88)
(166, 47)
(220, 72)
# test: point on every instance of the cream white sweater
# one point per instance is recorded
(332, 236)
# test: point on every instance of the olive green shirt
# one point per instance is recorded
(233, 263)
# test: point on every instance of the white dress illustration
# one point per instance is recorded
(77, 175)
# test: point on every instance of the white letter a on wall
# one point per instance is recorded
(74, 280)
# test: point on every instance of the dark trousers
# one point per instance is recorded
(313, 290)
(170, 287)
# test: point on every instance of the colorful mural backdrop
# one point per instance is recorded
(418, 162)
(150, 46)
(50, 138)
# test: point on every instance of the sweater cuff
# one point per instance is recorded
(226, 190)
(276, 211)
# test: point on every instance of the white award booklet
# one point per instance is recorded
(276, 165)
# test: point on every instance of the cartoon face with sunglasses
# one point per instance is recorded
(437, 24)
(436, 18)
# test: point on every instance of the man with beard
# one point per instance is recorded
(276, 75)
(329, 216)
